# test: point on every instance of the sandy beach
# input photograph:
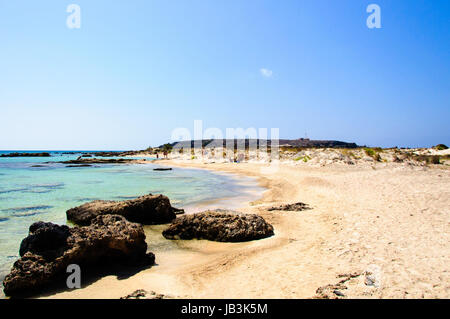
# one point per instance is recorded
(372, 232)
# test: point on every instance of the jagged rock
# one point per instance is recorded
(149, 210)
(297, 207)
(49, 249)
(224, 226)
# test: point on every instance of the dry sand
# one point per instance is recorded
(382, 232)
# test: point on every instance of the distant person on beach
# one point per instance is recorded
(165, 154)
(157, 155)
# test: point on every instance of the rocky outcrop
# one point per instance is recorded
(126, 153)
(49, 249)
(80, 165)
(81, 160)
(219, 225)
(26, 155)
(149, 210)
(296, 207)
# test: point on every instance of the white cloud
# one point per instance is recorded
(266, 72)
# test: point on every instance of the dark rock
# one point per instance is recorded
(126, 153)
(147, 260)
(137, 294)
(26, 155)
(45, 239)
(162, 169)
(50, 248)
(338, 293)
(296, 207)
(221, 225)
(149, 209)
(81, 160)
(143, 294)
(38, 166)
(81, 165)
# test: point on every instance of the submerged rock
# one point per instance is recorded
(220, 225)
(149, 210)
(49, 249)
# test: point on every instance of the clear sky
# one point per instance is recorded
(136, 70)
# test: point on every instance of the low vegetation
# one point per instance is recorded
(374, 153)
(440, 147)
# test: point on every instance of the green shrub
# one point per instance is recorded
(370, 152)
(441, 147)
(303, 158)
(429, 159)
(373, 152)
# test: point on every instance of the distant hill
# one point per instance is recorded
(302, 142)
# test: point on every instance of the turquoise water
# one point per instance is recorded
(29, 194)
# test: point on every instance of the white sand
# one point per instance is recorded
(389, 226)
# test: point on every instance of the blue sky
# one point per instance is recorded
(136, 70)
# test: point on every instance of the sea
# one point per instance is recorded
(30, 193)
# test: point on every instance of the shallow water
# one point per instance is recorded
(29, 194)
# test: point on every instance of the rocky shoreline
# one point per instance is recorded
(111, 233)
(49, 249)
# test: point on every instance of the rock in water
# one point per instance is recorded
(224, 226)
(26, 155)
(149, 210)
(49, 249)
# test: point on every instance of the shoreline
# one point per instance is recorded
(383, 230)
(231, 185)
